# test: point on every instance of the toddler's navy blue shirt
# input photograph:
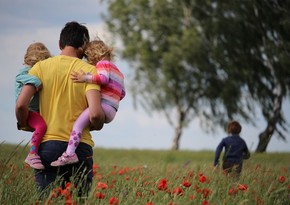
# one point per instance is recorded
(235, 149)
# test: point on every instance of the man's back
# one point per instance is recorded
(61, 101)
(60, 96)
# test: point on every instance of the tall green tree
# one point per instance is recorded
(195, 59)
(251, 44)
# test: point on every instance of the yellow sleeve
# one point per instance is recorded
(35, 71)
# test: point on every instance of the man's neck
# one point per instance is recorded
(70, 51)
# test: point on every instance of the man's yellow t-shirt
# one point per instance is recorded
(61, 100)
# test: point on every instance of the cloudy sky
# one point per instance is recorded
(25, 21)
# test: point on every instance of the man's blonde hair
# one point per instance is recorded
(36, 52)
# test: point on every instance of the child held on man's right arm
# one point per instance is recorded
(112, 92)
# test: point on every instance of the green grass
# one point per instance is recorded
(133, 176)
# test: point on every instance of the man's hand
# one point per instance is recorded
(96, 128)
(25, 128)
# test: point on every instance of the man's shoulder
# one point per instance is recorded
(86, 67)
(78, 63)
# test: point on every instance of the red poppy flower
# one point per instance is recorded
(114, 201)
(205, 202)
(149, 203)
(232, 191)
(162, 184)
(186, 183)
(123, 170)
(57, 190)
(242, 187)
(146, 183)
(95, 166)
(138, 194)
(205, 192)
(102, 185)
(65, 192)
(100, 195)
(177, 191)
(69, 185)
(281, 179)
(202, 178)
(69, 202)
(99, 176)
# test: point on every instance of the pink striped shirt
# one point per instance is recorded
(112, 83)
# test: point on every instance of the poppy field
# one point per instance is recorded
(151, 177)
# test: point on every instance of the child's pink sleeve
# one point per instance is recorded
(103, 76)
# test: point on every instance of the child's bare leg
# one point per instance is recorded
(69, 156)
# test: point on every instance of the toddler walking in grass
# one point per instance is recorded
(112, 92)
(34, 53)
(236, 150)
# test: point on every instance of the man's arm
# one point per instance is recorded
(21, 108)
(97, 116)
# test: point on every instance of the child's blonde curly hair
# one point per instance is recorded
(96, 51)
(36, 52)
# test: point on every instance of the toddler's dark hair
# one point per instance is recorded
(234, 128)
